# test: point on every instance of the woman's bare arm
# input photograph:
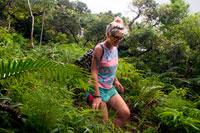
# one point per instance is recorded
(94, 70)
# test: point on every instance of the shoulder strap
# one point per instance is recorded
(103, 50)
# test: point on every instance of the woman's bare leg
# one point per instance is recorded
(103, 108)
(117, 104)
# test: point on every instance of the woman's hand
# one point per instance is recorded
(96, 102)
(119, 86)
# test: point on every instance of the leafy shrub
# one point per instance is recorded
(128, 75)
(52, 36)
(178, 114)
(11, 44)
(65, 53)
(44, 108)
(140, 90)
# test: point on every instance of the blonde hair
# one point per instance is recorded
(116, 25)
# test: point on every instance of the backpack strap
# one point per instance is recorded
(103, 50)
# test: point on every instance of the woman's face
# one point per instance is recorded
(116, 38)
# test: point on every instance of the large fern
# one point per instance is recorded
(23, 69)
(177, 119)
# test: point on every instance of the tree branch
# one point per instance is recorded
(131, 23)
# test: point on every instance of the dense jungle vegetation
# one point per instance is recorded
(41, 90)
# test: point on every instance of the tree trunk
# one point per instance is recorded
(32, 30)
(9, 16)
(42, 29)
(9, 22)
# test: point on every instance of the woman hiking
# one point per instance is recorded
(103, 69)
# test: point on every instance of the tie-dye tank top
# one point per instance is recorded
(107, 67)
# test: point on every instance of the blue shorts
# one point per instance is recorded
(105, 94)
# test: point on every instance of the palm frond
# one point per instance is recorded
(41, 68)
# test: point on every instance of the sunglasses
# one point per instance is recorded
(117, 37)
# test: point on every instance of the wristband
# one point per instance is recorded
(97, 96)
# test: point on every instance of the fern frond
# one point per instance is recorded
(195, 81)
(193, 122)
(41, 68)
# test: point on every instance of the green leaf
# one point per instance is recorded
(13, 67)
(2, 69)
(8, 68)
(18, 68)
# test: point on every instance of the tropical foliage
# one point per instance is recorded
(41, 90)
